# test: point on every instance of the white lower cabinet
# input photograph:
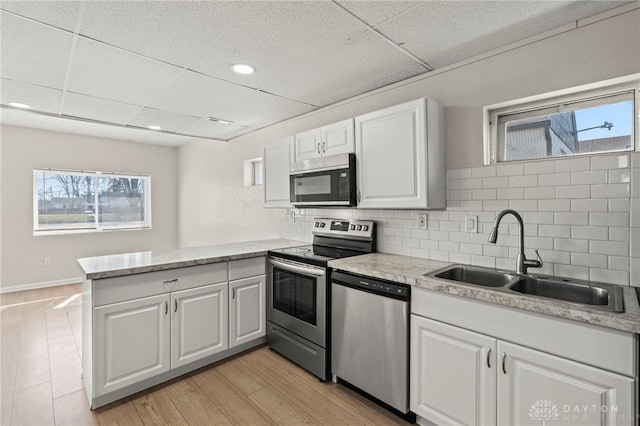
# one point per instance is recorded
(198, 323)
(132, 342)
(247, 316)
(463, 377)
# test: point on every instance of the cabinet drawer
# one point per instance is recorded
(244, 268)
(601, 347)
(119, 289)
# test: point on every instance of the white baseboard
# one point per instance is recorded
(33, 286)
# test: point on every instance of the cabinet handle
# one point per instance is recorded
(324, 146)
(175, 305)
(166, 307)
(170, 281)
(504, 362)
(318, 147)
(489, 358)
(233, 293)
(358, 195)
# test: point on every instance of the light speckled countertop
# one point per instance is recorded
(116, 265)
(410, 270)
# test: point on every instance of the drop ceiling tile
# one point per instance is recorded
(61, 14)
(172, 31)
(109, 73)
(207, 129)
(199, 95)
(263, 109)
(375, 13)
(33, 52)
(40, 98)
(77, 105)
(169, 121)
(535, 22)
(276, 37)
(367, 59)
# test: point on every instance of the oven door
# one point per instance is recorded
(296, 298)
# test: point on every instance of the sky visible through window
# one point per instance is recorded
(619, 114)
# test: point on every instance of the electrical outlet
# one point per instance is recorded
(471, 224)
(46, 261)
(422, 221)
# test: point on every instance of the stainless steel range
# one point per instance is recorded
(298, 291)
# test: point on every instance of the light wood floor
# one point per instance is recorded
(41, 385)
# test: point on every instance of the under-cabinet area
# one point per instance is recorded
(143, 329)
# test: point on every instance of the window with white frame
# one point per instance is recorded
(578, 123)
(70, 201)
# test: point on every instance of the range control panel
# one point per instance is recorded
(347, 228)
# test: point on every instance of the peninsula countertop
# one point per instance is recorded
(411, 270)
(117, 265)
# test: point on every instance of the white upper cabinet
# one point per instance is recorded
(276, 159)
(336, 138)
(400, 156)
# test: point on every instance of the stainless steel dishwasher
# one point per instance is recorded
(370, 337)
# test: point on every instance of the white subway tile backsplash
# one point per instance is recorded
(609, 219)
(589, 205)
(571, 245)
(544, 218)
(471, 183)
(411, 243)
(451, 184)
(635, 242)
(554, 205)
(553, 257)
(523, 205)
(429, 244)
(635, 271)
(619, 176)
(495, 182)
(509, 169)
(619, 234)
(461, 194)
(449, 246)
(488, 262)
(616, 190)
(571, 218)
(589, 260)
(540, 193)
(422, 253)
(510, 194)
(458, 173)
(620, 205)
(620, 263)
(635, 212)
(557, 231)
(470, 205)
(554, 179)
(573, 191)
(482, 172)
(613, 248)
(578, 272)
(440, 235)
(588, 178)
(572, 165)
(605, 162)
(460, 237)
(539, 167)
(495, 250)
(402, 214)
(460, 258)
(471, 248)
(439, 255)
(523, 181)
(590, 232)
(635, 182)
(610, 276)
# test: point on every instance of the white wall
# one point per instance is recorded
(215, 206)
(24, 149)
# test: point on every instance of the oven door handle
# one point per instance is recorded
(300, 269)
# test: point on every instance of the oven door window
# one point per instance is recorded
(295, 295)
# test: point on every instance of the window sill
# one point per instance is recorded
(86, 231)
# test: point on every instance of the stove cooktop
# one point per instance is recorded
(319, 254)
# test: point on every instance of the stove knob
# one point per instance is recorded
(322, 224)
(352, 228)
(317, 224)
(365, 228)
(359, 228)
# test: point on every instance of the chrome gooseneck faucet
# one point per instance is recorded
(522, 263)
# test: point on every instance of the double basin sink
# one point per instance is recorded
(600, 296)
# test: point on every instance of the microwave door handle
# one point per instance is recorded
(298, 269)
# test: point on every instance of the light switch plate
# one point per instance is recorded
(471, 224)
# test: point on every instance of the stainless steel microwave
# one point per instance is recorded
(326, 181)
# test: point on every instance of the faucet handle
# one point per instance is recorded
(539, 259)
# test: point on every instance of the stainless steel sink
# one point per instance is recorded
(476, 276)
(606, 297)
(602, 296)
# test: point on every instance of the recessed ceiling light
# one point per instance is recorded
(243, 68)
(219, 120)
(19, 105)
(154, 127)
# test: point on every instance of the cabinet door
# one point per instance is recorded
(535, 387)
(131, 342)
(247, 318)
(308, 145)
(277, 157)
(198, 323)
(453, 379)
(338, 138)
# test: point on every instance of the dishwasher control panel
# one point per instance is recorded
(372, 285)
